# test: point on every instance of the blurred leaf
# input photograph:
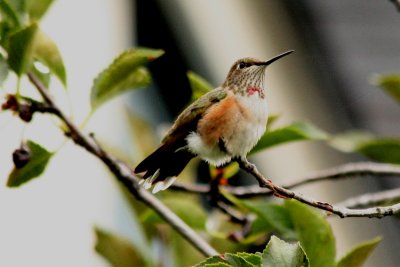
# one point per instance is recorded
(383, 150)
(189, 211)
(275, 217)
(278, 253)
(293, 132)
(3, 70)
(198, 84)
(229, 170)
(47, 52)
(21, 47)
(272, 118)
(234, 200)
(359, 254)
(36, 9)
(18, 5)
(9, 14)
(43, 76)
(127, 72)
(176, 244)
(379, 149)
(5, 31)
(142, 134)
(314, 233)
(349, 141)
(270, 217)
(259, 230)
(35, 166)
(116, 250)
(391, 84)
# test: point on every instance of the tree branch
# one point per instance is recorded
(278, 191)
(340, 172)
(371, 199)
(124, 174)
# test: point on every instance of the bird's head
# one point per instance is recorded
(247, 74)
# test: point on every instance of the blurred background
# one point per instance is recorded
(339, 46)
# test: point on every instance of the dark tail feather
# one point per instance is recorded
(166, 161)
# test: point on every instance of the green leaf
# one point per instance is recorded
(391, 84)
(254, 259)
(3, 70)
(46, 51)
(229, 170)
(237, 261)
(35, 166)
(213, 261)
(9, 14)
(349, 141)
(198, 84)
(259, 229)
(278, 253)
(36, 9)
(18, 5)
(294, 132)
(275, 217)
(383, 150)
(219, 264)
(41, 72)
(314, 233)
(359, 254)
(272, 118)
(189, 211)
(240, 259)
(116, 250)
(21, 47)
(127, 72)
(379, 149)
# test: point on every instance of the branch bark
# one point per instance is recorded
(372, 199)
(377, 212)
(344, 171)
(124, 174)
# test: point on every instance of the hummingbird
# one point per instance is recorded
(223, 124)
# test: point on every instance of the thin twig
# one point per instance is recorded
(344, 171)
(377, 212)
(216, 199)
(234, 214)
(123, 173)
(371, 199)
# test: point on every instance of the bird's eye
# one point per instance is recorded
(242, 65)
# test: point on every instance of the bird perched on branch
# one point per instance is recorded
(223, 124)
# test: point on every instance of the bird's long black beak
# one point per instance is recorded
(268, 62)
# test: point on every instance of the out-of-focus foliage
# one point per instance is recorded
(358, 255)
(127, 72)
(375, 148)
(294, 132)
(391, 84)
(116, 250)
(199, 85)
(307, 238)
(35, 163)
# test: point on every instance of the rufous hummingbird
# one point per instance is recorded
(223, 124)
